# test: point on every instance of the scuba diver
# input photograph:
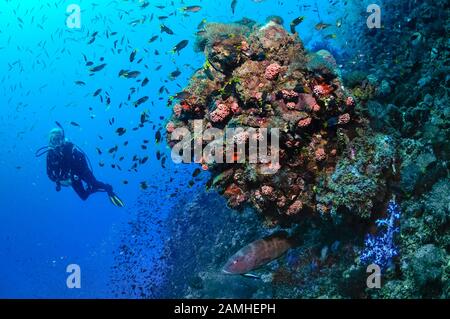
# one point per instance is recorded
(68, 165)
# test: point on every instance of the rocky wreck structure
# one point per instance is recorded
(262, 77)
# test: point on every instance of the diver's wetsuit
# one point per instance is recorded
(69, 163)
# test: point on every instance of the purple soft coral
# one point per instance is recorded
(380, 248)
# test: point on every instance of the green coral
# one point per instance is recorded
(358, 182)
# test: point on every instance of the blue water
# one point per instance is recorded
(42, 231)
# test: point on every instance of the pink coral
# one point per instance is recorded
(322, 89)
(235, 107)
(245, 46)
(291, 105)
(289, 94)
(267, 190)
(344, 119)
(295, 208)
(221, 112)
(272, 71)
(305, 122)
(350, 101)
(281, 202)
(257, 95)
(320, 154)
(308, 101)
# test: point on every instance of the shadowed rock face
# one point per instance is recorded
(262, 77)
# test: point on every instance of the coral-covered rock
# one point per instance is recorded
(272, 71)
(263, 78)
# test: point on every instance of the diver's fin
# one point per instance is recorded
(116, 201)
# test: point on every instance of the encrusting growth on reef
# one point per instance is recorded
(262, 77)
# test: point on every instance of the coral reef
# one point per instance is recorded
(402, 87)
(262, 77)
(344, 152)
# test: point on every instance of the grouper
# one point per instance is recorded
(258, 254)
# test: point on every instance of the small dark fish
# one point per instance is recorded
(208, 73)
(75, 124)
(153, 39)
(158, 155)
(180, 96)
(330, 36)
(81, 83)
(133, 74)
(191, 9)
(113, 150)
(200, 33)
(99, 151)
(144, 82)
(180, 46)
(90, 63)
(97, 92)
(141, 101)
(197, 172)
(144, 160)
(322, 26)
(98, 68)
(295, 23)
(158, 137)
(166, 29)
(191, 183)
(129, 74)
(144, 117)
(121, 131)
(175, 74)
(133, 55)
(143, 186)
